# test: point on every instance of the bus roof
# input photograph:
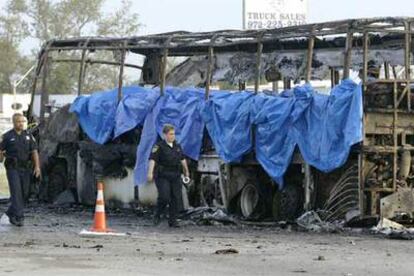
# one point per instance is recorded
(196, 43)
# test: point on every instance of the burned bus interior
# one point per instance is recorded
(377, 179)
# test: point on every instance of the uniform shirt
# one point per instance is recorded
(18, 146)
(167, 157)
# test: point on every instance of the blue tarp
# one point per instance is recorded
(227, 118)
(181, 108)
(274, 149)
(133, 109)
(330, 126)
(323, 127)
(97, 112)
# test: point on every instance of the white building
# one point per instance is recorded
(22, 101)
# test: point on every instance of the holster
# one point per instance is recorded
(14, 163)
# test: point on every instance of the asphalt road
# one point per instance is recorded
(50, 244)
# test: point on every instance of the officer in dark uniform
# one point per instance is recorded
(168, 161)
(20, 150)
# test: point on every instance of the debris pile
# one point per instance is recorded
(393, 230)
(208, 216)
(311, 221)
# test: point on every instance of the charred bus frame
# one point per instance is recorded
(357, 32)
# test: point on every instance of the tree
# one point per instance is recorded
(13, 29)
(73, 18)
(43, 20)
(62, 19)
(120, 23)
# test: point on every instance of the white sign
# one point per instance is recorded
(270, 14)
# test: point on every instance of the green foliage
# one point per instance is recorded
(43, 20)
(13, 29)
(120, 23)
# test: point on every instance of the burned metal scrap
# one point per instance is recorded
(238, 67)
(62, 140)
(208, 216)
(311, 221)
(393, 230)
(61, 128)
(113, 158)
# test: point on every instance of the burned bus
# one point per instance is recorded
(376, 179)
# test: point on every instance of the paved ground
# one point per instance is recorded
(4, 188)
(49, 243)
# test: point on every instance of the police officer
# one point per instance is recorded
(20, 150)
(168, 161)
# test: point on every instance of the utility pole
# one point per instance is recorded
(16, 83)
(244, 15)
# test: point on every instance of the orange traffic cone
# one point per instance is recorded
(99, 224)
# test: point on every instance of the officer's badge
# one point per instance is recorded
(155, 149)
(27, 138)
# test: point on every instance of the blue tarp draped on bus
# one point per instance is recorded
(180, 108)
(323, 127)
(133, 109)
(330, 126)
(271, 115)
(227, 118)
(97, 112)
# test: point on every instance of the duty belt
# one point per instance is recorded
(162, 168)
(14, 163)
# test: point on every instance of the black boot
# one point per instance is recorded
(174, 224)
(156, 220)
(20, 222)
(16, 222)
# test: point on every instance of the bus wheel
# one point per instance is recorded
(249, 200)
(287, 203)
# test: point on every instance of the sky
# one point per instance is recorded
(206, 15)
(159, 16)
